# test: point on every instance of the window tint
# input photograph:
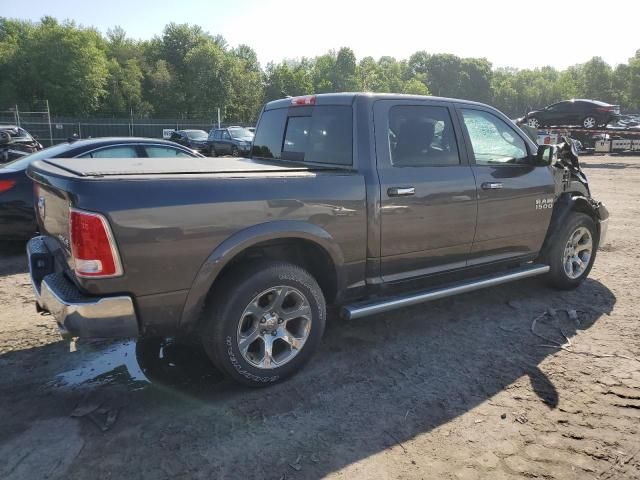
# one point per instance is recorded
(323, 137)
(158, 151)
(268, 140)
(217, 135)
(113, 152)
(493, 141)
(421, 136)
(225, 135)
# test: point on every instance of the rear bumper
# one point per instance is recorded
(77, 314)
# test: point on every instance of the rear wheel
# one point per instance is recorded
(573, 252)
(264, 323)
(533, 122)
(590, 122)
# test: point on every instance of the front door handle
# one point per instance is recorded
(491, 185)
(401, 191)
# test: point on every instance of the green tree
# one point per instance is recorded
(596, 80)
(67, 65)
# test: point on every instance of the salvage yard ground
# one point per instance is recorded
(462, 388)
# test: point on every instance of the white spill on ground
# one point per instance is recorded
(103, 363)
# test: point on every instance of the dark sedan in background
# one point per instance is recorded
(585, 113)
(17, 219)
(194, 139)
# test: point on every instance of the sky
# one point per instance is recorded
(516, 33)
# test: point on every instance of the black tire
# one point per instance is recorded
(590, 122)
(212, 152)
(555, 254)
(235, 152)
(225, 307)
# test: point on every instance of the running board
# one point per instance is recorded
(350, 312)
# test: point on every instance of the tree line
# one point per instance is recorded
(188, 72)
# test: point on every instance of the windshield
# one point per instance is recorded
(197, 134)
(22, 163)
(241, 134)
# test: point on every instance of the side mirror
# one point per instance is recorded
(546, 155)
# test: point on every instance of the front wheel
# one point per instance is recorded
(571, 255)
(235, 152)
(263, 323)
(590, 122)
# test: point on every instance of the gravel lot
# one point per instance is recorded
(456, 389)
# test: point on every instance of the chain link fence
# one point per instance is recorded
(50, 130)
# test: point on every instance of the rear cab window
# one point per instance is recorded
(318, 134)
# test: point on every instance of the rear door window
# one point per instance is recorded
(164, 152)
(321, 134)
(421, 136)
(113, 152)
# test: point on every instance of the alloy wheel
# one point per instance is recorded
(274, 327)
(577, 253)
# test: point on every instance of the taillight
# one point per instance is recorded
(92, 245)
(6, 185)
(304, 100)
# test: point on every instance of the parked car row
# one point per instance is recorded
(233, 140)
(17, 218)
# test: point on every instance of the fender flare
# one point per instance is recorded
(246, 238)
(572, 202)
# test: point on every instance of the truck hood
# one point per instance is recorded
(103, 167)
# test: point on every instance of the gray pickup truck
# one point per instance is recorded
(364, 202)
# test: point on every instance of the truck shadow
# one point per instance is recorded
(374, 384)
(12, 258)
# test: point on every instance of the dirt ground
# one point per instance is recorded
(456, 389)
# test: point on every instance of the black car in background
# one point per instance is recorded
(194, 139)
(17, 219)
(16, 141)
(585, 113)
(234, 141)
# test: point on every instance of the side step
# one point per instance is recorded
(350, 312)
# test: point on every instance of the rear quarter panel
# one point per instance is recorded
(166, 228)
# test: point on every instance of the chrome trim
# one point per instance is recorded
(604, 230)
(102, 317)
(401, 191)
(90, 317)
(351, 312)
(491, 185)
(173, 145)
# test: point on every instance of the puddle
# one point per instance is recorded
(105, 363)
(137, 364)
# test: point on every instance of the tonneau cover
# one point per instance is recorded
(89, 167)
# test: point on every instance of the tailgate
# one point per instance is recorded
(51, 205)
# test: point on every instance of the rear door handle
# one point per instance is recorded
(491, 185)
(401, 191)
